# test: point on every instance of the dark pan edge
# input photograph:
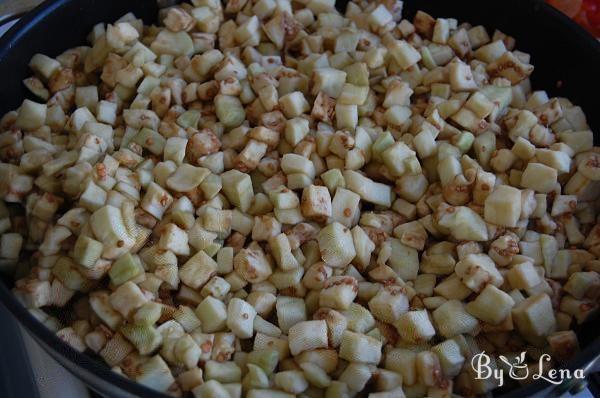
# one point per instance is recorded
(90, 368)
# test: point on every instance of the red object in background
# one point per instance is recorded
(569, 7)
(585, 12)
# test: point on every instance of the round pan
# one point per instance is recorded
(567, 61)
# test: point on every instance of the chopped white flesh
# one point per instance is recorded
(274, 199)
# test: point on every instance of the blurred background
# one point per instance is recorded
(585, 12)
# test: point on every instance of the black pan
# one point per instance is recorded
(567, 61)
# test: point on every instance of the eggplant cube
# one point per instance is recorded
(415, 327)
(452, 319)
(308, 335)
(212, 314)
(329, 81)
(31, 115)
(295, 130)
(237, 186)
(174, 239)
(293, 104)
(345, 204)
(316, 202)
(397, 157)
(10, 245)
(87, 251)
(357, 347)
(450, 356)
(580, 284)
(503, 206)
(252, 265)
(336, 245)
(127, 298)
(282, 252)
(156, 200)
(491, 306)
(461, 77)
(539, 177)
(534, 316)
(389, 303)
(338, 292)
(523, 276)
(290, 312)
(198, 270)
(477, 270)
(403, 53)
(155, 374)
(240, 318)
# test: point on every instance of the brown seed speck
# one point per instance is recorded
(585, 307)
(206, 346)
(163, 200)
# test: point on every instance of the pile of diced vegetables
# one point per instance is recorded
(271, 199)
